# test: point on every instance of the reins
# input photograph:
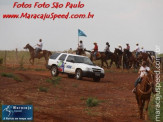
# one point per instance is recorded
(147, 92)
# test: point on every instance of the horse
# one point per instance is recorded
(129, 59)
(119, 54)
(143, 93)
(43, 53)
(145, 57)
(103, 57)
(100, 56)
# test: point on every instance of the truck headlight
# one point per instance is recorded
(89, 69)
(102, 71)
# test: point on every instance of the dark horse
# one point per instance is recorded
(43, 53)
(144, 57)
(143, 93)
(119, 54)
(103, 57)
(129, 60)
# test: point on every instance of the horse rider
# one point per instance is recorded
(95, 50)
(128, 47)
(142, 50)
(144, 69)
(107, 49)
(137, 50)
(80, 47)
(120, 47)
(38, 47)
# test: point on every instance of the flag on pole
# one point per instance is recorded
(81, 33)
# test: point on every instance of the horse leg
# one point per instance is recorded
(46, 60)
(140, 108)
(102, 63)
(30, 60)
(33, 61)
(107, 63)
(146, 109)
(111, 62)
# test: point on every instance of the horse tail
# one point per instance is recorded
(150, 57)
(49, 53)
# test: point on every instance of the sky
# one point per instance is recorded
(115, 21)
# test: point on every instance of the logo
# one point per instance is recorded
(17, 112)
(61, 66)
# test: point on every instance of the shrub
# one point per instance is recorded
(1, 61)
(43, 89)
(54, 80)
(91, 102)
(10, 75)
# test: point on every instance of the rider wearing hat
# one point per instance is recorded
(80, 47)
(143, 71)
(107, 49)
(95, 49)
(120, 47)
(142, 50)
(137, 50)
(128, 47)
(38, 47)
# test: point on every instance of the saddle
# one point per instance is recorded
(98, 55)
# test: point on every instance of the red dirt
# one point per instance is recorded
(67, 100)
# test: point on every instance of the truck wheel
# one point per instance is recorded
(78, 74)
(96, 79)
(54, 71)
(71, 76)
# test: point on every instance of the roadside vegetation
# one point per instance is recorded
(10, 75)
(152, 107)
(43, 89)
(92, 102)
(54, 80)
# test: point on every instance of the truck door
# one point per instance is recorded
(61, 63)
(69, 65)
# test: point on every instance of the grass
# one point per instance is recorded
(1, 61)
(40, 69)
(82, 98)
(28, 102)
(75, 85)
(10, 75)
(55, 80)
(152, 107)
(90, 112)
(0, 112)
(92, 102)
(43, 89)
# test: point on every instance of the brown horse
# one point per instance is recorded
(145, 57)
(100, 56)
(119, 54)
(143, 93)
(43, 53)
(103, 57)
(129, 59)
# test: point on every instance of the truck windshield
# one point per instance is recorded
(84, 60)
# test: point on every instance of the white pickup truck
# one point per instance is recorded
(75, 66)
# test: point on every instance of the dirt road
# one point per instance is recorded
(66, 101)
